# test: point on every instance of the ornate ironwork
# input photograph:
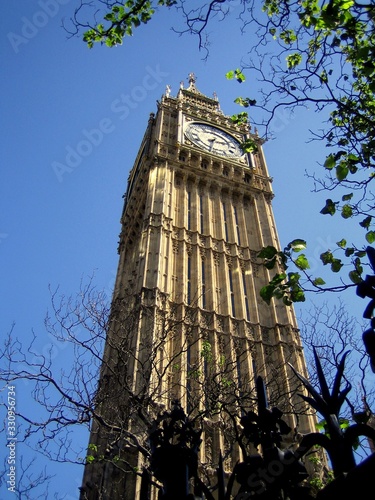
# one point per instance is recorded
(272, 473)
(338, 442)
(367, 289)
(174, 453)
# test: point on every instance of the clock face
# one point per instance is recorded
(213, 140)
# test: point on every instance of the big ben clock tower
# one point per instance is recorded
(187, 322)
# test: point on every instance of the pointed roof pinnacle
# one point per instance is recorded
(193, 96)
(192, 80)
(193, 89)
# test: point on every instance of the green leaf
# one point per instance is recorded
(249, 146)
(353, 158)
(293, 60)
(270, 264)
(293, 278)
(288, 36)
(274, 288)
(268, 252)
(323, 76)
(360, 254)
(342, 243)
(240, 118)
(269, 255)
(266, 293)
(346, 212)
(245, 102)
(320, 426)
(355, 277)
(370, 237)
(297, 295)
(301, 262)
(342, 171)
(110, 17)
(336, 265)
(319, 281)
(240, 77)
(366, 222)
(237, 74)
(347, 197)
(346, 4)
(358, 266)
(344, 423)
(330, 208)
(330, 162)
(206, 352)
(297, 245)
(326, 257)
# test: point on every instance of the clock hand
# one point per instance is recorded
(212, 142)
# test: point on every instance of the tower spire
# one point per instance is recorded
(193, 95)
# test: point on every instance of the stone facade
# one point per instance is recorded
(189, 280)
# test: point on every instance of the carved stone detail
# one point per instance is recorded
(249, 331)
(265, 334)
(220, 324)
(254, 255)
(255, 270)
(235, 328)
(208, 448)
(175, 246)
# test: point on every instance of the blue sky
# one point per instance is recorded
(63, 104)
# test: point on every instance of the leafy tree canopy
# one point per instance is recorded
(323, 54)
